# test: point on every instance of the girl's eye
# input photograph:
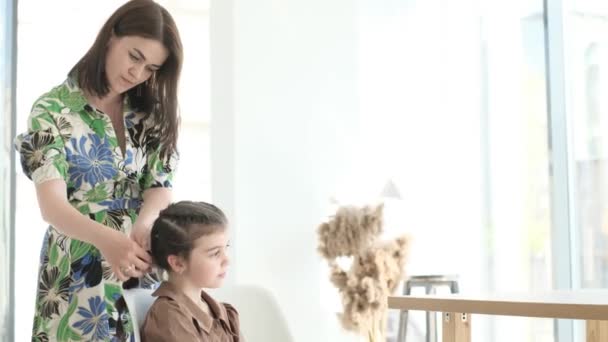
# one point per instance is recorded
(133, 57)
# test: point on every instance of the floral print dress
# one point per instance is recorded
(79, 298)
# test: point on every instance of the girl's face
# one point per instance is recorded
(208, 262)
(131, 60)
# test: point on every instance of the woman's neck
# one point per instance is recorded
(110, 100)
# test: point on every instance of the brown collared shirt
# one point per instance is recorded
(175, 318)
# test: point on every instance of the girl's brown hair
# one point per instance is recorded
(179, 225)
(158, 95)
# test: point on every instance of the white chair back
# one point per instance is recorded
(138, 301)
(260, 316)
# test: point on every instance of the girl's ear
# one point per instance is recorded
(177, 263)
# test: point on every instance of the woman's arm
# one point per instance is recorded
(116, 247)
(155, 200)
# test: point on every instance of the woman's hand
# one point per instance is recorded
(124, 255)
(127, 258)
(141, 234)
(155, 199)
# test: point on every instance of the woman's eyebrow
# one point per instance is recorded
(142, 56)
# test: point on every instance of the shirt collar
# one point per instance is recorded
(73, 86)
(204, 319)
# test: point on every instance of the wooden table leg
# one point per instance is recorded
(597, 331)
(449, 327)
(456, 327)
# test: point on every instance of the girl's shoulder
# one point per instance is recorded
(233, 317)
(165, 308)
(231, 310)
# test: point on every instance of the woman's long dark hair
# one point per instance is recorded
(158, 95)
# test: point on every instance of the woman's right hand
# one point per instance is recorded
(124, 255)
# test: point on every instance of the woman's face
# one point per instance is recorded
(131, 60)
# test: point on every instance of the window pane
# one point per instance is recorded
(518, 162)
(586, 46)
(6, 238)
(453, 109)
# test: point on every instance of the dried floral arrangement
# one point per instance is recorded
(376, 269)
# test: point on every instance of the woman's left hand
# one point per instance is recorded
(155, 199)
(140, 233)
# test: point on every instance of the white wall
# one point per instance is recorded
(288, 91)
(283, 116)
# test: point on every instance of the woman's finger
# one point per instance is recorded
(146, 245)
(119, 274)
(136, 273)
(143, 243)
(139, 264)
(143, 255)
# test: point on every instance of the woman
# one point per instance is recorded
(101, 150)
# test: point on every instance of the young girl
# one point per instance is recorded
(189, 241)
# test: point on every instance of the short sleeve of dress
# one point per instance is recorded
(159, 171)
(42, 146)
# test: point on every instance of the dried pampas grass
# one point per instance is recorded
(376, 270)
(351, 230)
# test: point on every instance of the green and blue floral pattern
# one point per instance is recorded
(78, 294)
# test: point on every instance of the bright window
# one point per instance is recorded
(453, 103)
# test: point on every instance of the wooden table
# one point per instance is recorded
(588, 305)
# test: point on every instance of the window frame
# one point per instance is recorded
(8, 75)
